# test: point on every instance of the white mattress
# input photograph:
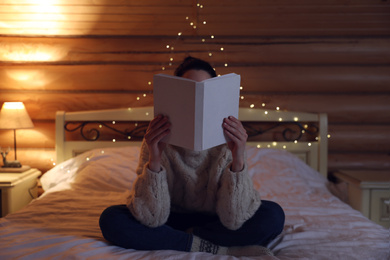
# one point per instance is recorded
(63, 223)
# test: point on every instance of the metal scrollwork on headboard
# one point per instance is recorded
(290, 131)
(93, 134)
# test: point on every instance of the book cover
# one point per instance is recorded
(196, 109)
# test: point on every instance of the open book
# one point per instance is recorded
(196, 109)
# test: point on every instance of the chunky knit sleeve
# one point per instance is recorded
(149, 199)
(237, 199)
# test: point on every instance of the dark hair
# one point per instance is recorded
(191, 63)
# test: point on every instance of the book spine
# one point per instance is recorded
(199, 110)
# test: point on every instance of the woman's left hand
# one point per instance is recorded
(236, 132)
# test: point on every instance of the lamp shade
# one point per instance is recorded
(13, 115)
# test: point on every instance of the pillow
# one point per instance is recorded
(278, 172)
(103, 168)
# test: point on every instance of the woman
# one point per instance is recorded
(194, 201)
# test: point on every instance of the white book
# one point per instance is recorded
(196, 109)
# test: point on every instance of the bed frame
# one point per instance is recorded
(314, 150)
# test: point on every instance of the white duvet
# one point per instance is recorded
(63, 223)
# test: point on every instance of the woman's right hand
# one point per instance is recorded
(158, 128)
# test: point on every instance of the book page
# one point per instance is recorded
(221, 99)
(175, 98)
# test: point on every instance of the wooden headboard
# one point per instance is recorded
(303, 134)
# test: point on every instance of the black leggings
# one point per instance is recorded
(122, 229)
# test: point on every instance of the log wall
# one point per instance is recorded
(306, 55)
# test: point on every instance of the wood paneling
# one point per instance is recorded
(151, 17)
(305, 55)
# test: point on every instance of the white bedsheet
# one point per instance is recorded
(63, 223)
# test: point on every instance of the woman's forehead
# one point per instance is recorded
(197, 75)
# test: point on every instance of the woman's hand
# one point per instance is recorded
(236, 132)
(158, 128)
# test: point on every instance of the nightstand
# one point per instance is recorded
(369, 192)
(17, 190)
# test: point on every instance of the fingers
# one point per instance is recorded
(158, 128)
(234, 129)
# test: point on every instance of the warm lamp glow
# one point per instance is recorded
(31, 52)
(48, 17)
(13, 105)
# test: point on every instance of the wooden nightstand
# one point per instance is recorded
(17, 190)
(368, 192)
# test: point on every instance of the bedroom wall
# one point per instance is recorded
(306, 55)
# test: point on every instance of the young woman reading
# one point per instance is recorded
(194, 201)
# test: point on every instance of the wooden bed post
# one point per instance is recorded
(60, 136)
(323, 143)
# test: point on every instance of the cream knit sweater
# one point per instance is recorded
(192, 181)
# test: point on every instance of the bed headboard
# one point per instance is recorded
(303, 134)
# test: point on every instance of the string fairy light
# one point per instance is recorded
(195, 24)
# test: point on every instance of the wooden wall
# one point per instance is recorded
(307, 55)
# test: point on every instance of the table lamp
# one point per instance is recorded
(13, 115)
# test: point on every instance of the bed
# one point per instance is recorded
(287, 158)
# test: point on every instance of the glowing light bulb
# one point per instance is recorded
(252, 106)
